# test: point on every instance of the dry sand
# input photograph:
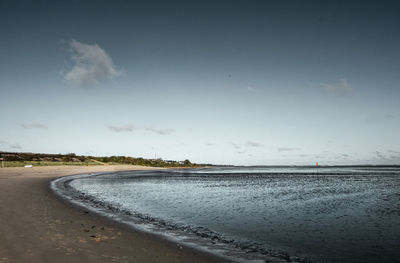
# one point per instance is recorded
(37, 226)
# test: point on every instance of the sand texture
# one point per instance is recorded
(37, 226)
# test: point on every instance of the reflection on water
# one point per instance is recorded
(325, 214)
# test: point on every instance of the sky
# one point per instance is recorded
(221, 82)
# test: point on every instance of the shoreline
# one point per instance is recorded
(39, 226)
(190, 236)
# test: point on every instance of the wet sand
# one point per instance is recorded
(37, 226)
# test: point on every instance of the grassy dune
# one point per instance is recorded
(44, 163)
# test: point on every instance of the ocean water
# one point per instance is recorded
(336, 214)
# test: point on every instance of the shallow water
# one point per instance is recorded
(325, 214)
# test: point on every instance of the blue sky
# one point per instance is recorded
(223, 82)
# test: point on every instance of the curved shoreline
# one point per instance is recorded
(61, 187)
(38, 227)
(198, 238)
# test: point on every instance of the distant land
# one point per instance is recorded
(18, 159)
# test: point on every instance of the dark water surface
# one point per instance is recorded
(325, 214)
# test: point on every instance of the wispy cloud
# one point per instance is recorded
(304, 155)
(159, 131)
(253, 144)
(342, 88)
(313, 155)
(238, 146)
(386, 157)
(210, 144)
(249, 89)
(123, 128)
(288, 149)
(34, 125)
(394, 154)
(14, 146)
(379, 118)
(132, 128)
(319, 156)
(379, 155)
(91, 65)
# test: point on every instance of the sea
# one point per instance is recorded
(260, 214)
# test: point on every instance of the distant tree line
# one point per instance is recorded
(71, 157)
(142, 161)
(15, 156)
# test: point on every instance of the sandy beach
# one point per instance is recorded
(37, 226)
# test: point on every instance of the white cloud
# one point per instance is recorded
(92, 65)
(34, 125)
(159, 131)
(247, 144)
(131, 128)
(379, 155)
(253, 144)
(249, 89)
(288, 149)
(123, 128)
(236, 146)
(342, 88)
(394, 154)
(390, 157)
(304, 155)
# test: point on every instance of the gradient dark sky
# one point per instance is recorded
(240, 82)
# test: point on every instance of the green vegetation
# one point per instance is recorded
(142, 161)
(43, 163)
(14, 159)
